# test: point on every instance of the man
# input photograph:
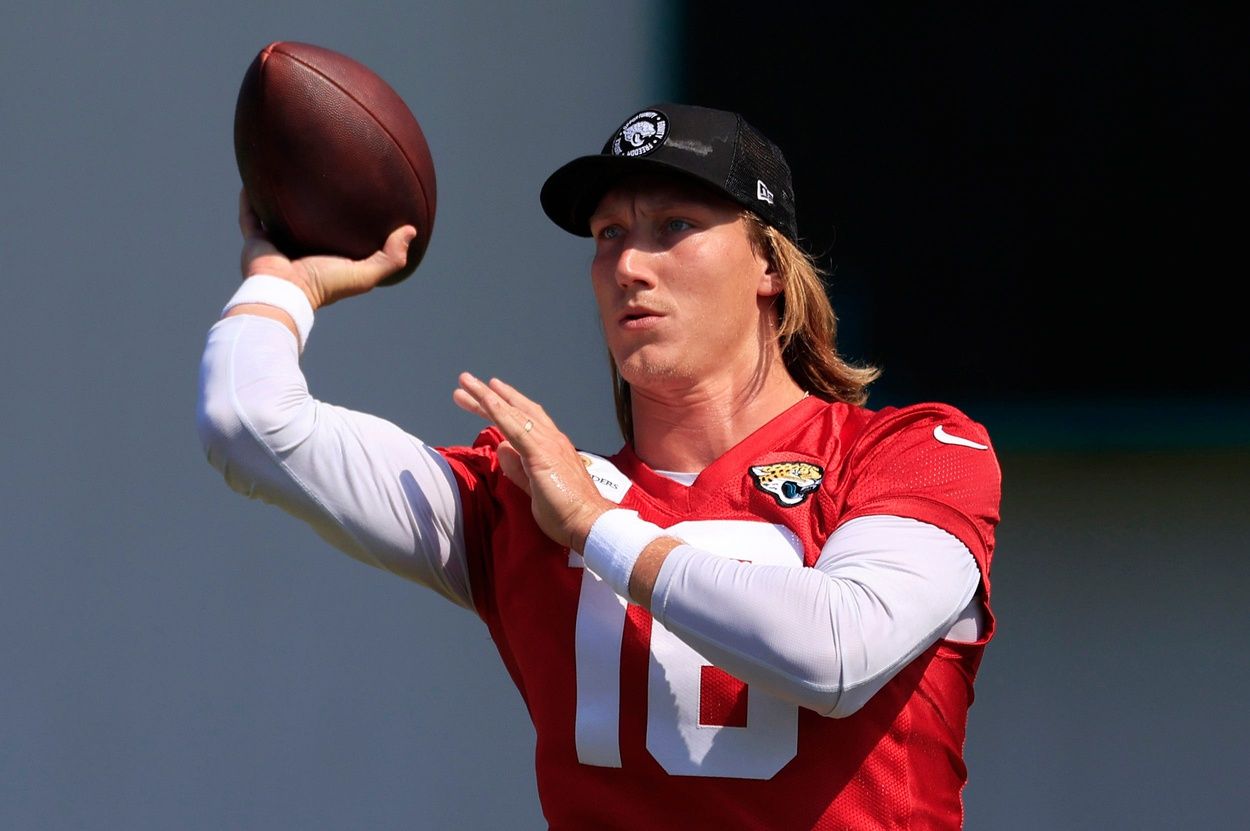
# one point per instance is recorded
(767, 610)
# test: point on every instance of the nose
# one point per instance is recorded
(635, 264)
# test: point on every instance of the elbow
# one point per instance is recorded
(227, 417)
(230, 425)
(217, 419)
(846, 704)
(842, 696)
(247, 411)
(826, 695)
(217, 425)
(818, 687)
(838, 688)
(825, 687)
(827, 701)
(228, 437)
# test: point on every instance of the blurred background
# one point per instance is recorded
(1026, 210)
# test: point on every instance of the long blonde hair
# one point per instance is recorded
(807, 334)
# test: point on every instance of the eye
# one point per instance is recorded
(676, 226)
(609, 232)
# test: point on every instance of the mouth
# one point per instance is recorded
(638, 318)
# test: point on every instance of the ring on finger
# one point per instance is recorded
(529, 425)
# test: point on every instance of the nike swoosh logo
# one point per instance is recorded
(944, 437)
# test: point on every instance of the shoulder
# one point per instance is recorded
(928, 453)
(928, 442)
(925, 422)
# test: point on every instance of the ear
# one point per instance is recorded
(770, 284)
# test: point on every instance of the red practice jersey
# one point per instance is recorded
(636, 731)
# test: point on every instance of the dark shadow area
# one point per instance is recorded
(1018, 204)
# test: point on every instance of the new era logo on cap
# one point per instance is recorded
(762, 192)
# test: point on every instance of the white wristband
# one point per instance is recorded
(615, 543)
(281, 294)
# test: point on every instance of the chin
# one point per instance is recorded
(642, 370)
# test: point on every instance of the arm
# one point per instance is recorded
(828, 638)
(363, 484)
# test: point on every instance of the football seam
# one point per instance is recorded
(266, 171)
(415, 175)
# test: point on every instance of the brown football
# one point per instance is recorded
(331, 156)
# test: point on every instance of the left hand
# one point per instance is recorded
(539, 459)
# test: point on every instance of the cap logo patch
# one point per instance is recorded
(644, 132)
(762, 192)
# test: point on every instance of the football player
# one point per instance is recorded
(766, 610)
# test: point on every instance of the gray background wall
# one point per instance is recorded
(177, 657)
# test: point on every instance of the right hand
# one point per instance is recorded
(325, 279)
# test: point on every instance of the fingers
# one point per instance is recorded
(476, 397)
(347, 278)
(537, 457)
(392, 257)
(516, 416)
(245, 211)
(258, 255)
(467, 402)
(510, 460)
(396, 246)
(516, 399)
(480, 399)
(249, 222)
(512, 466)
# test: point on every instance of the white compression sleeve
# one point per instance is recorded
(367, 487)
(827, 638)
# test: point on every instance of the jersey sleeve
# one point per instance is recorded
(478, 477)
(929, 462)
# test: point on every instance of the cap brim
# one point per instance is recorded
(572, 193)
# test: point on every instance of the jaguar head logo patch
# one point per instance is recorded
(790, 483)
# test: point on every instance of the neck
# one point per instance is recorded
(685, 430)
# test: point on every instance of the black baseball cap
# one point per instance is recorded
(715, 147)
